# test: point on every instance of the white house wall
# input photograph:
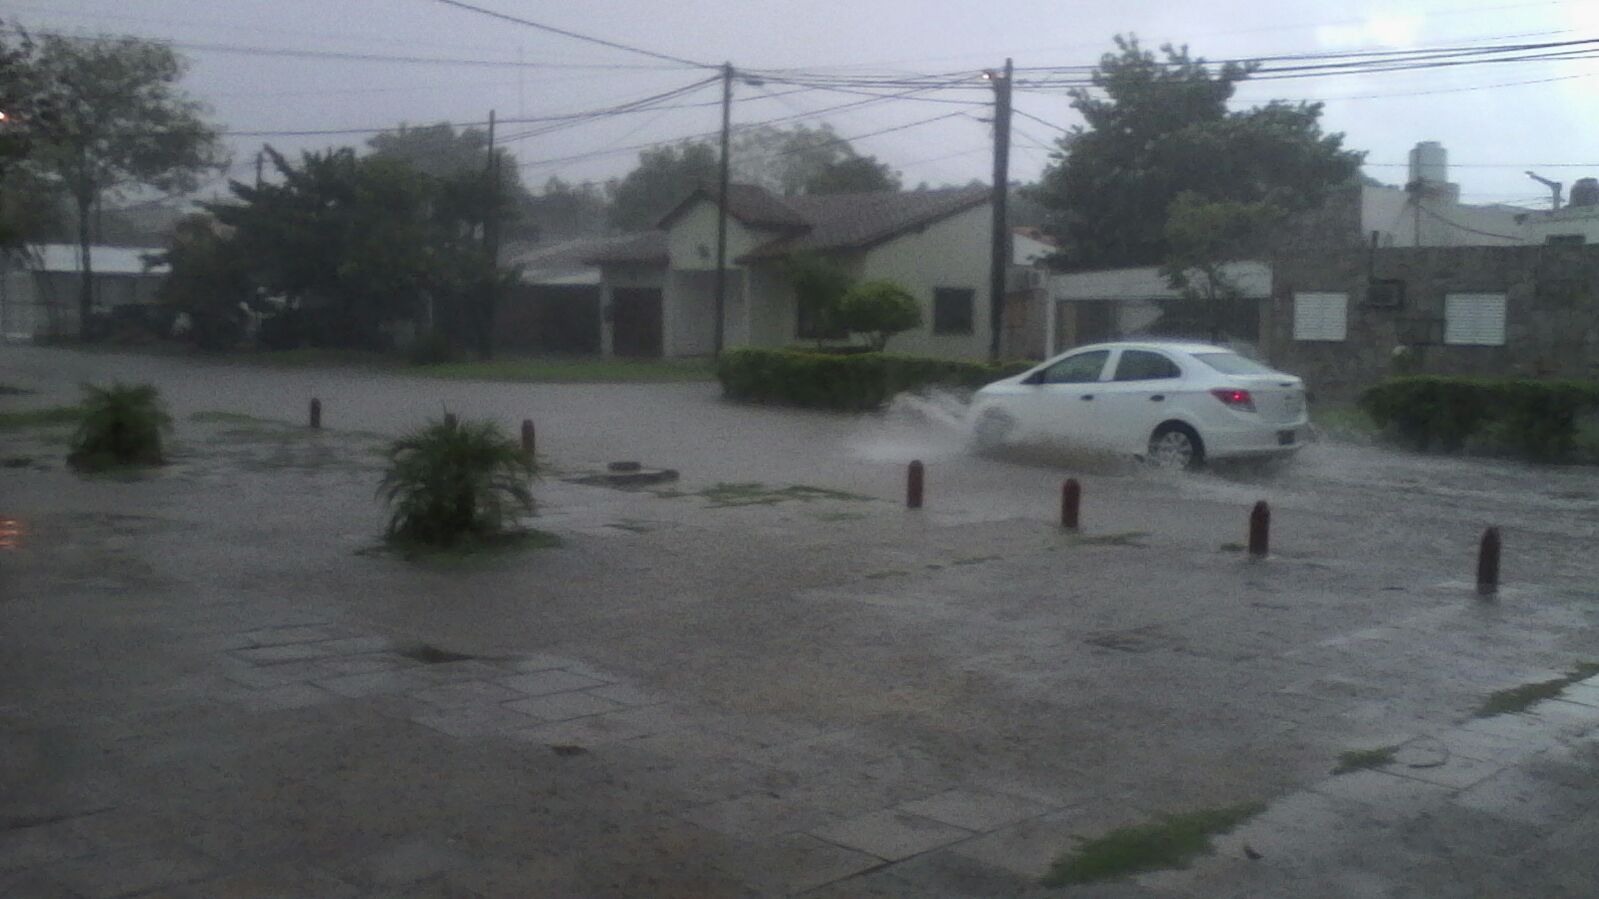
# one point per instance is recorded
(953, 252)
(1573, 220)
(691, 242)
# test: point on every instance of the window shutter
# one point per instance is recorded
(1321, 316)
(1474, 319)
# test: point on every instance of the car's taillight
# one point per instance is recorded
(1239, 400)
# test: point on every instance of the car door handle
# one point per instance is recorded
(1158, 398)
(1087, 396)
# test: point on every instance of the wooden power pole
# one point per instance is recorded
(999, 260)
(721, 212)
(491, 249)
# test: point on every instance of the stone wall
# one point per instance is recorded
(1551, 315)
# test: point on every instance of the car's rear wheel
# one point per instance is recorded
(994, 429)
(1176, 447)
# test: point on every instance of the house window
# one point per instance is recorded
(1321, 316)
(1474, 319)
(952, 310)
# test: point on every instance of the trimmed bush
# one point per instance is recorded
(1532, 419)
(121, 425)
(853, 383)
(879, 310)
(453, 480)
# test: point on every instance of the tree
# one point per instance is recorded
(563, 211)
(665, 175)
(28, 205)
(859, 174)
(441, 152)
(1202, 237)
(118, 122)
(879, 310)
(1155, 129)
(352, 244)
(819, 286)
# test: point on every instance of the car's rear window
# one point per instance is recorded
(1233, 364)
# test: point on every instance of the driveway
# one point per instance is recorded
(211, 686)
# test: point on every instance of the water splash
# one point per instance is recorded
(922, 426)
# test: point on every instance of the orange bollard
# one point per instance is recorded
(1259, 530)
(1488, 563)
(1071, 496)
(913, 485)
(527, 437)
(316, 413)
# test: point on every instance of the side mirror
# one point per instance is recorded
(1036, 377)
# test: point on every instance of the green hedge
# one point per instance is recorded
(853, 382)
(1533, 419)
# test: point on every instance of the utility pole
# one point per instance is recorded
(721, 212)
(999, 260)
(259, 154)
(491, 248)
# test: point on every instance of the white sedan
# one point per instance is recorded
(1175, 404)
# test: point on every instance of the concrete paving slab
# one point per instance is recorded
(975, 810)
(891, 835)
(360, 686)
(473, 720)
(466, 693)
(564, 706)
(755, 815)
(539, 683)
(132, 871)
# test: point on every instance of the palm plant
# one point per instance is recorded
(450, 480)
(121, 425)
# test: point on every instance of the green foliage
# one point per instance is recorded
(1525, 696)
(859, 174)
(117, 120)
(41, 418)
(121, 425)
(854, 382)
(453, 480)
(664, 176)
(879, 310)
(802, 159)
(1533, 419)
(1170, 842)
(819, 286)
(434, 348)
(1362, 759)
(1158, 127)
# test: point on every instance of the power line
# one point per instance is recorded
(575, 35)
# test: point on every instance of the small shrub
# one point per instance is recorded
(1170, 842)
(879, 310)
(450, 480)
(435, 348)
(845, 382)
(120, 425)
(1532, 419)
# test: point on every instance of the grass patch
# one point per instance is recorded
(8, 390)
(974, 560)
(1519, 699)
(230, 418)
(1362, 759)
(50, 416)
(883, 575)
(578, 370)
(631, 526)
(1233, 547)
(1345, 422)
(466, 548)
(1123, 538)
(1170, 842)
(16, 462)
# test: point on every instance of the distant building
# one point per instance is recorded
(1576, 223)
(39, 287)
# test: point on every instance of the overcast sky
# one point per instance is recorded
(1493, 122)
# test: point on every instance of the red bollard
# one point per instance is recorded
(316, 413)
(913, 485)
(1259, 530)
(1071, 496)
(527, 437)
(1488, 563)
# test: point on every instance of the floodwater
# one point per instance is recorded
(1394, 508)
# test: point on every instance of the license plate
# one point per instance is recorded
(1285, 438)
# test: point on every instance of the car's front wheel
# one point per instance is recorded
(1175, 446)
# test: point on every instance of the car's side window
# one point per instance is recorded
(1142, 365)
(1082, 368)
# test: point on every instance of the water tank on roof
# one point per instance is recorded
(1585, 192)
(1429, 162)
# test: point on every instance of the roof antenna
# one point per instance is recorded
(1554, 190)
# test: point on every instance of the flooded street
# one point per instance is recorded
(770, 678)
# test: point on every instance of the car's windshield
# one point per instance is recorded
(1233, 364)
